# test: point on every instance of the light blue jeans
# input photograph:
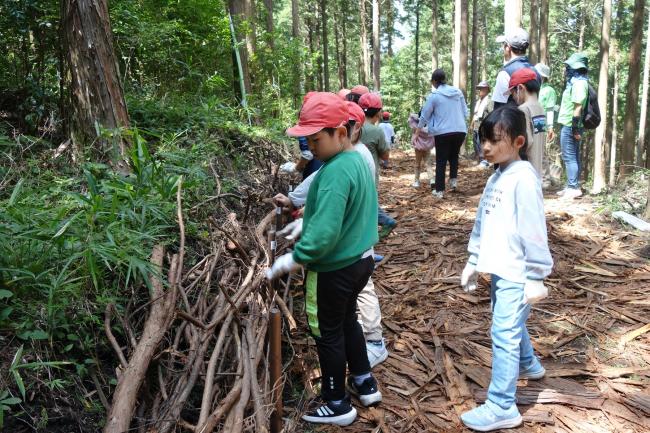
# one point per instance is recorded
(511, 348)
(571, 156)
(383, 218)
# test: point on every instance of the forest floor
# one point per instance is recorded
(591, 333)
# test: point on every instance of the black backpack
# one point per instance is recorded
(591, 116)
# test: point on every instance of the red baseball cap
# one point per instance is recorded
(370, 100)
(321, 110)
(343, 93)
(520, 76)
(307, 96)
(356, 113)
(359, 90)
(385, 115)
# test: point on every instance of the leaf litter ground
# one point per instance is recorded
(591, 333)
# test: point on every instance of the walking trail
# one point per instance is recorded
(592, 333)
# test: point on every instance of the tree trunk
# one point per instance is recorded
(344, 55)
(512, 15)
(612, 145)
(464, 34)
(644, 101)
(543, 32)
(475, 55)
(365, 54)
(647, 206)
(583, 27)
(376, 60)
(458, 5)
(390, 26)
(434, 35)
(484, 48)
(599, 138)
(417, 43)
(326, 63)
(295, 18)
(95, 87)
(632, 99)
(534, 31)
(268, 6)
(310, 85)
(337, 46)
(238, 16)
(251, 38)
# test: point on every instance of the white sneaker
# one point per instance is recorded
(572, 193)
(484, 164)
(438, 194)
(561, 192)
(377, 352)
(453, 184)
(416, 184)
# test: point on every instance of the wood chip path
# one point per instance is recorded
(592, 333)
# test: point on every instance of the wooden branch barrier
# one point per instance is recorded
(194, 362)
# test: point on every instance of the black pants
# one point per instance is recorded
(447, 149)
(331, 303)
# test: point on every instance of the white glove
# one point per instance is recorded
(288, 167)
(469, 277)
(534, 291)
(283, 265)
(292, 230)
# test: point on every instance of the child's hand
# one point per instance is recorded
(283, 265)
(534, 291)
(469, 278)
(292, 230)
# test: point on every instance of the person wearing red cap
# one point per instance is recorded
(524, 88)
(336, 247)
(374, 139)
(357, 92)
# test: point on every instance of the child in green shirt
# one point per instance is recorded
(336, 247)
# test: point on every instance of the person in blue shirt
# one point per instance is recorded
(306, 165)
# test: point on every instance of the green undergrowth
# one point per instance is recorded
(76, 237)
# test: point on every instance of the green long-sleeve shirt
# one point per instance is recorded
(340, 220)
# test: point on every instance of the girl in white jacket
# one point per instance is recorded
(508, 241)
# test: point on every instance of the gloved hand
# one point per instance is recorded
(292, 230)
(469, 278)
(283, 265)
(288, 167)
(534, 291)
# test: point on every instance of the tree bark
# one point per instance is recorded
(417, 43)
(647, 206)
(464, 34)
(337, 46)
(326, 69)
(644, 101)
(484, 48)
(376, 60)
(543, 32)
(599, 138)
(458, 5)
(344, 55)
(237, 12)
(365, 54)
(632, 99)
(534, 31)
(612, 144)
(512, 15)
(251, 38)
(390, 26)
(295, 18)
(310, 70)
(95, 86)
(434, 35)
(475, 55)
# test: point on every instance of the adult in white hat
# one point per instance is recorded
(515, 43)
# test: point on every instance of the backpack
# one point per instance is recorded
(591, 117)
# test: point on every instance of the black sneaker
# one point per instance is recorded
(327, 412)
(368, 392)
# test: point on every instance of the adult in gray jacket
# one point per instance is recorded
(445, 112)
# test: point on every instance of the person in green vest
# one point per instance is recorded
(574, 101)
(548, 100)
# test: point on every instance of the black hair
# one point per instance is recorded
(354, 97)
(439, 76)
(370, 112)
(520, 50)
(508, 120)
(349, 127)
(532, 86)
